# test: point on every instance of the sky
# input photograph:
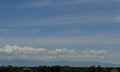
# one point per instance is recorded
(55, 30)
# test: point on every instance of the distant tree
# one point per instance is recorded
(92, 69)
(99, 69)
(114, 70)
(65, 69)
(8, 68)
(44, 69)
(26, 69)
(55, 69)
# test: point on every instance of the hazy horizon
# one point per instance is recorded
(55, 30)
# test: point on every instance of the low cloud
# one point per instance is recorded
(62, 51)
(20, 50)
(95, 52)
(31, 53)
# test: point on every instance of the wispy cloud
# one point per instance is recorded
(65, 2)
(70, 2)
(28, 4)
(108, 39)
(42, 3)
(59, 23)
(36, 4)
(62, 20)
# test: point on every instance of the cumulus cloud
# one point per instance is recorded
(94, 57)
(31, 53)
(62, 51)
(95, 52)
(20, 50)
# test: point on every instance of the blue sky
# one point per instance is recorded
(77, 30)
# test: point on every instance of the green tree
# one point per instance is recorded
(99, 69)
(26, 69)
(114, 70)
(65, 69)
(55, 69)
(8, 68)
(92, 69)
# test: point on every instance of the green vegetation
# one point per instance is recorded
(58, 69)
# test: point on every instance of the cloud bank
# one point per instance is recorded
(21, 50)
(30, 53)
(62, 51)
(95, 54)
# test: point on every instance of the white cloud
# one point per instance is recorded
(95, 52)
(20, 50)
(99, 57)
(30, 53)
(62, 51)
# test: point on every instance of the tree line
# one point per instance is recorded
(10, 68)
